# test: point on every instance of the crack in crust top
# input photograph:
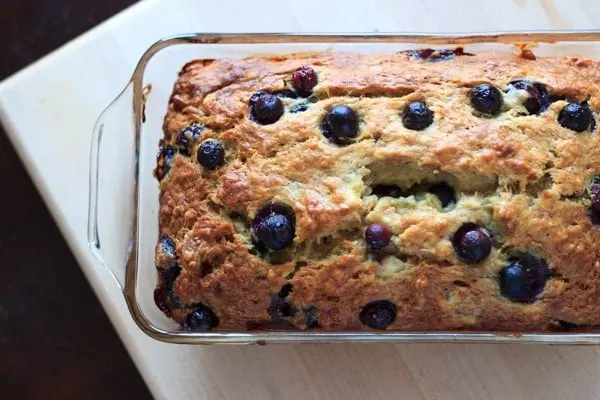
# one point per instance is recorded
(523, 178)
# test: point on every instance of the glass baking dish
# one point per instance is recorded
(123, 203)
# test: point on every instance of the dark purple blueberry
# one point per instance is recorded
(311, 318)
(471, 243)
(436, 54)
(378, 236)
(211, 154)
(388, 191)
(340, 124)
(285, 93)
(486, 99)
(417, 116)
(566, 325)
(187, 137)
(304, 79)
(164, 160)
(168, 277)
(576, 117)
(201, 319)
(595, 208)
(523, 279)
(285, 290)
(300, 107)
(161, 300)
(444, 192)
(378, 314)
(538, 100)
(279, 308)
(265, 108)
(167, 246)
(275, 226)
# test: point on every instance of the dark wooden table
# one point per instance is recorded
(55, 340)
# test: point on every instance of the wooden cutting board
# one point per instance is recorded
(49, 109)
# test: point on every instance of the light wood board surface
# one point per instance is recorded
(49, 110)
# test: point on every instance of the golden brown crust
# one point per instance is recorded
(523, 177)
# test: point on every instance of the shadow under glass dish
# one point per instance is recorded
(123, 202)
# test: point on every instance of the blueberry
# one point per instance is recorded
(285, 290)
(279, 308)
(523, 279)
(378, 314)
(444, 192)
(340, 124)
(486, 99)
(187, 137)
(168, 277)
(211, 154)
(285, 93)
(161, 300)
(201, 319)
(304, 79)
(538, 99)
(274, 226)
(164, 160)
(577, 117)
(388, 191)
(311, 318)
(167, 246)
(300, 107)
(471, 243)
(417, 116)
(435, 54)
(378, 236)
(595, 208)
(566, 325)
(265, 108)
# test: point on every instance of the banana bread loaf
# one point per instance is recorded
(419, 191)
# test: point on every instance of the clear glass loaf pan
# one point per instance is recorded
(123, 207)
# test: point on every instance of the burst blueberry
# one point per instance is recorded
(187, 137)
(435, 54)
(311, 318)
(538, 99)
(164, 159)
(167, 246)
(285, 93)
(161, 300)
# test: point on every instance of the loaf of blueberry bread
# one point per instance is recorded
(419, 191)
